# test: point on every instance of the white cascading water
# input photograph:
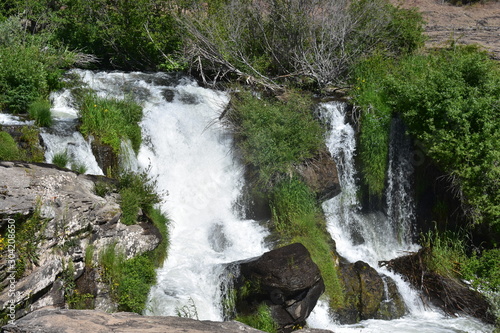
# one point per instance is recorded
(63, 137)
(375, 236)
(189, 153)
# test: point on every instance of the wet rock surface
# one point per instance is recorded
(368, 295)
(285, 279)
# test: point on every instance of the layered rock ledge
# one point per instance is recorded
(85, 321)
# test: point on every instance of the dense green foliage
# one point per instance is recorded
(129, 279)
(8, 148)
(449, 100)
(448, 257)
(125, 34)
(30, 66)
(111, 120)
(275, 136)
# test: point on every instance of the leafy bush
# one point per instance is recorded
(110, 120)
(30, 67)
(137, 276)
(137, 34)
(137, 190)
(130, 280)
(484, 270)
(8, 148)
(275, 136)
(39, 110)
(29, 141)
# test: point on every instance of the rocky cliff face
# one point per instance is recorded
(52, 218)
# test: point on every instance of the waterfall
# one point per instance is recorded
(63, 136)
(189, 154)
(375, 236)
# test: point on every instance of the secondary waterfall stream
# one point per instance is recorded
(374, 236)
(189, 153)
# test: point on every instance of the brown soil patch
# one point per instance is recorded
(470, 24)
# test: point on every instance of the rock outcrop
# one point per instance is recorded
(64, 218)
(368, 295)
(285, 279)
(451, 295)
(320, 174)
(85, 321)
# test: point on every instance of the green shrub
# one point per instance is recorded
(275, 136)
(484, 270)
(110, 120)
(39, 110)
(137, 191)
(130, 206)
(61, 159)
(126, 34)
(137, 276)
(30, 67)
(8, 148)
(31, 150)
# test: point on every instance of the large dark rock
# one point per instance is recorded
(86, 321)
(285, 279)
(368, 295)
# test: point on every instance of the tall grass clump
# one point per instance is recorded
(39, 110)
(61, 159)
(448, 252)
(298, 219)
(274, 135)
(111, 120)
(261, 320)
(374, 124)
(8, 148)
